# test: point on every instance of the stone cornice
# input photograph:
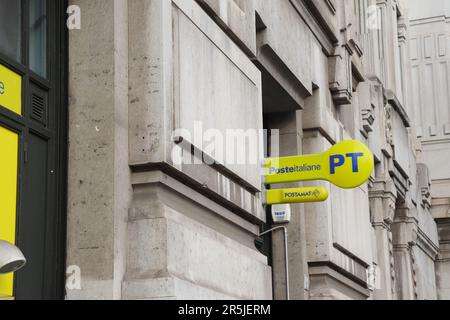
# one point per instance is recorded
(396, 104)
(382, 225)
(427, 245)
(317, 24)
(387, 193)
(408, 233)
(435, 19)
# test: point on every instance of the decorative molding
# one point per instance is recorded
(408, 232)
(414, 274)
(384, 191)
(159, 178)
(426, 245)
(435, 19)
(368, 119)
(389, 134)
(241, 202)
(321, 31)
(424, 184)
(396, 104)
(331, 5)
(320, 19)
(322, 271)
(341, 96)
(341, 76)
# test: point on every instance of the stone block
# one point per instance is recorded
(238, 16)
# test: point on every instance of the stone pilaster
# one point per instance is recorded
(99, 187)
(405, 232)
(382, 207)
(443, 262)
(290, 125)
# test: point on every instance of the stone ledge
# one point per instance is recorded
(170, 288)
(327, 283)
(394, 102)
(200, 193)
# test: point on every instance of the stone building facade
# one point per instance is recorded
(141, 226)
(429, 43)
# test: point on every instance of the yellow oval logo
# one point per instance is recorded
(347, 165)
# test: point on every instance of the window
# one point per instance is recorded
(10, 30)
(38, 37)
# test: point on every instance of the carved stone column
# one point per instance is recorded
(404, 231)
(382, 207)
(443, 262)
(403, 70)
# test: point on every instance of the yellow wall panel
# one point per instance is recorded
(9, 150)
(10, 90)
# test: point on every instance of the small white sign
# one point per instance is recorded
(281, 213)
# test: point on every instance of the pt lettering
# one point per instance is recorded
(338, 160)
(2, 88)
(335, 162)
(354, 157)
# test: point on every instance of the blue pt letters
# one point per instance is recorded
(338, 160)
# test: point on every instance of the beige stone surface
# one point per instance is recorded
(99, 177)
(431, 104)
(142, 227)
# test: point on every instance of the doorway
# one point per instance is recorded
(33, 144)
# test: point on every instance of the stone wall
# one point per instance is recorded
(431, 104)
(142, 226)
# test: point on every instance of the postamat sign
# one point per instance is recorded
(348, 165)
(296, 195)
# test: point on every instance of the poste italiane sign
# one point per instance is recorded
(347, 165)
(296, 195)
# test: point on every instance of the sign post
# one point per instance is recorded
(347, 165)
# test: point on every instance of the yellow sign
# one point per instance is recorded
(296, 195)
(10, 90)
(347, 165)
(9, 146)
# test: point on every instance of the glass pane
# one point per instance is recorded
(10, 31)
(38, 37)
